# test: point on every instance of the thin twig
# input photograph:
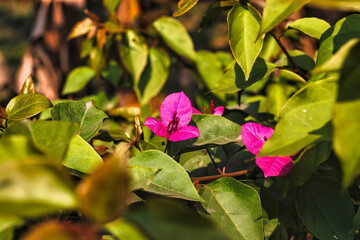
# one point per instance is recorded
(297, 69)
(209, 178)
(213, 161)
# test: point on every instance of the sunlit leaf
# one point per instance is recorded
(235, 207)
(209, 67)
(77, 79)
(15, 147)
(81, 28)
(244, 25)
(125, 230)
(26, 105)
(164, 182)
(141, 177)
(314, 27)
(28, 86)
(184, 6)
(338, 5)
(175, 36)
(83, 113)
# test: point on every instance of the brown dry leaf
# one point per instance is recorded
(128, 11)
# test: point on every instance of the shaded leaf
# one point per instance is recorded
(184, 6)
(141, 177)
(77, 79)
(51, 137)
(111, 5)
(347, 117)
(83, 113)
(26, 105)
(324, 210)
(244, 25)
(81, 156)
(34, 187)
(164, 182)
(175, 36)
(164, 220)
(276, 11)
(112, 72)
(28, 86)
(134, 53)
(155, 74)
(311, 26)
(216, 8)
(305, 166)
(233, 79)
(209, 67)
(7, 223)
(235, 207)
(304, 119)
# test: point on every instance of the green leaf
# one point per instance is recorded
(134, 53)
(165, 182)
(77, 79)
(125, 230)
(235, 207)
(305, 166)
(111, 5)
(51, 137)
(311, 26)
(276, 11)
(141, 177)
(97, 60)
(175, 36)
(16, 147)
(164, 220)
(338, 5)
(112, 72)
(215, 9)
(304, 119)
(26, 105)
(184, 6)
(233, 79)
(336, 36)
(209, 67)
(347, 117)
(155, 74)
(34, 187)
(325, 210)
(356, 221)
(83, 113)
(81, 156)
(28, 86)
(244, 25)
(276, 97)
(7, 223)
(102, 195)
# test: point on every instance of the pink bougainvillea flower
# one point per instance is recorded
(175, 116)
(213, 111)
(254, 136)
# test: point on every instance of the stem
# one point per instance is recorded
(209, 178)
(167, 145)
(213, 161)
(289, 57)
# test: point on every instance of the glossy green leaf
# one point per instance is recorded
(305, 166)
(209, 67)
(184, 6)
(102, 195)
(336, 36)
(134, 53)
(164, 220)
(34, 187)
(83, 113)
(335, 63)
(26, 105)
(51, 137)
(347, 117)
(233, 79)
(164, 182)
(304, 119)
(111, 5)
(175, 36)
(244, 25)
(338, 5)
(155, 74)
(125, 230)
(311, 26)
(141, 177)
(276, 11)
(81, 156)
(235, 207)
(77, 79)
(325, 210)
(28, 86)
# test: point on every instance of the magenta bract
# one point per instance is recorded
(213, 111)
(175, 115)
(254, 136)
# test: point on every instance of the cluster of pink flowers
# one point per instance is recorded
(175, 115)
